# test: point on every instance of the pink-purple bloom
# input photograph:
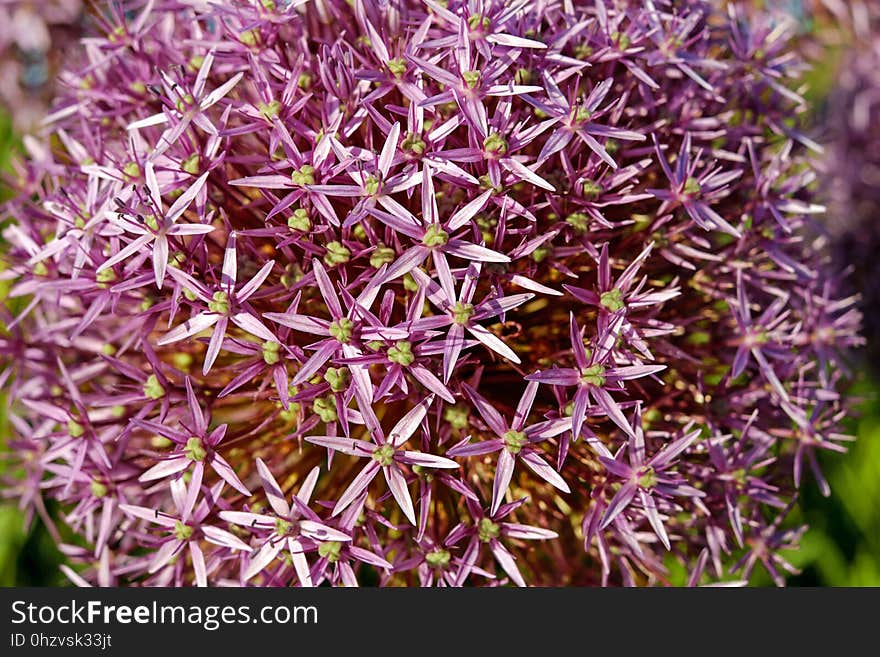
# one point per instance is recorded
(422, 293)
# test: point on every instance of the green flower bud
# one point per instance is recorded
(342, 330)
(438, 559)
(594, 376)
(182, 532)
(153, 389)
(612, 300)
(330, 550)
(514, 441)
(397, 67)
(384, 455)
(495, 144)
(250, 38)
(471, 78)
(338, 378)
(522, 76)
(409, 283)
(187, 101)
(582, 51)
(540, 254)
(219, 303)
(479, 22)
(462, 312)
(621, 39)
(456, 416)
(105, 277)
(325, 408)
(371, 185)
(337, 254)
(382, 255)
(192, 165)
(401, 353)
(98, 489)
(195, 63)
(488, 530)
(435, 236)
(195, 449)
(692, 187)
(270, 353)
(305, 175)
(648, 478)
(270, 110)
(590, 188)
(131, 172)
(486, 185)
(413, 144)
(579, 221)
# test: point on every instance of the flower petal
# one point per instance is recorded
(503, 475)
(358, 486)
(426, 460)
(400, 491)
(264, 556)
(407, 425)
(190, 327)
(544, 470)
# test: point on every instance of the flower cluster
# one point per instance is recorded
(423, 293)
(851, 163)
(34, 39)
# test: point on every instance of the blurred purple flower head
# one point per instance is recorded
(851, 171)
(421, 292)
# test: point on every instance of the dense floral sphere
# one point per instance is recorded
(419, 292)
(851, 168)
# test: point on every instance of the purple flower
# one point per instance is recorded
(225, 304)
(385, 455)
(183, 530)
(198, 447)
(514, 441)
(293, 526)
(343, 331)
(155, 230)
(593, 374)
(647, 478)
(694, 191)
(388, 263)
(187, 106)
(489, 530)
(460, 314)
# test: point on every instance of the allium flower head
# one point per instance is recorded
(851, 167)
(423, 293)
